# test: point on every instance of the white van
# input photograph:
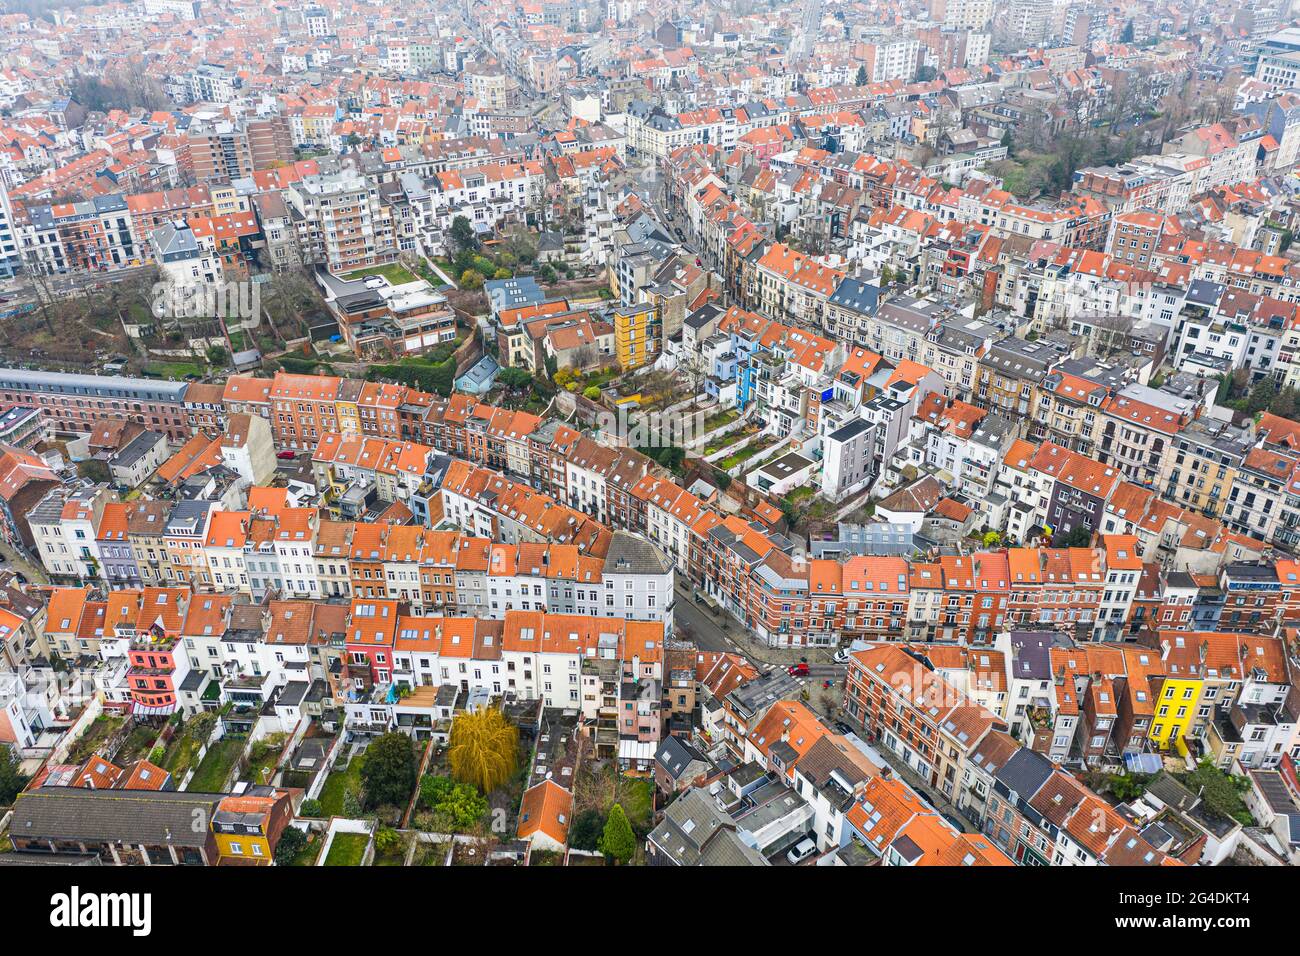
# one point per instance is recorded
(802, 850)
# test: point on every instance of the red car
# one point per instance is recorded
(799, 670)
(285, 455)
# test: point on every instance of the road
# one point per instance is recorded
(721, 633)
(704, 627)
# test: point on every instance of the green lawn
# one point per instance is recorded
(394, 272)
(263, 758)
(749, 451)
(718, 419)
(210, 777)
(331, 795)
(636, 794)
(139, 313)
(802, 493)
(172, 370)
(307, 856)
(395, 858)
(347, 849)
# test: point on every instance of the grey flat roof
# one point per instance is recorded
(106, 386)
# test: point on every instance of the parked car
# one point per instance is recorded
(801, 851)
(841, 656)
(285, 455)
(799, 670)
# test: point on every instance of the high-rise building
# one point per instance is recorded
(341, 222)
(10, 256)
(968, 14)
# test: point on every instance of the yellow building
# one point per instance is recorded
(227, 201)
(637, 334)
(248, 826)
(1176, 700)
(345, 407)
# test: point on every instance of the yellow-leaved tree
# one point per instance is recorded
(484, 748)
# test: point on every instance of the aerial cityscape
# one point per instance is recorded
(640, 433)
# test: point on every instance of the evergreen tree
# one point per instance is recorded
(618, 842)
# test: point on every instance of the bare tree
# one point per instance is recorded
(40, 283)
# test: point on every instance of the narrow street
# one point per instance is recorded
(720, 633)
(716, 630)
(16, 562)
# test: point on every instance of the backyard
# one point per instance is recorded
(100, 729)
(760, 444)
(719, 419)
(263, 758)
(186, 742)
(174, 371)
(210, 777)
(729, 439)
(347, 849)
(600, 785)
(431, 854)
(338, 783)
(1220, 791)
(636, 794)
(310, 851)
(136, 745)
(395, 853)
(803, 505)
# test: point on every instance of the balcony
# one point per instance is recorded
(1040, 718)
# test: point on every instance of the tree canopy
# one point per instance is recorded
(484, 748)
(11, 781)
(617, 840)
(390, 769)
(459, 806)
(462, 233)
(292, 842)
